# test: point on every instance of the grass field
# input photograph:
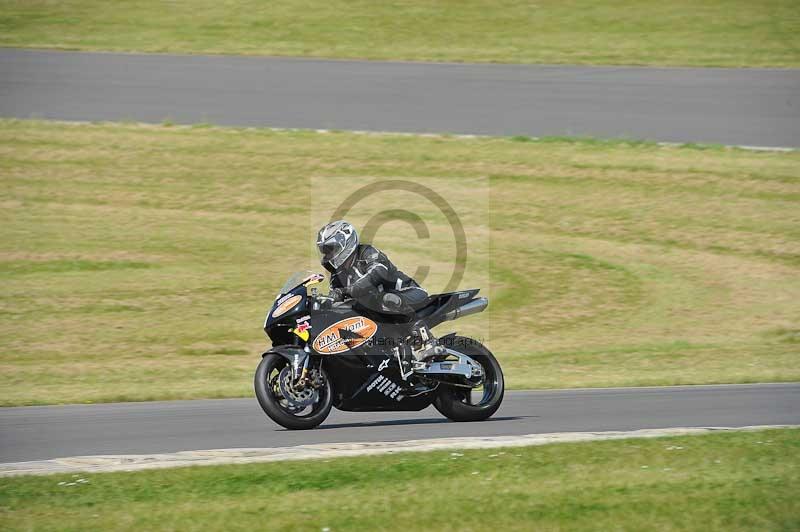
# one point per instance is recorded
(137, 261)
(730, 33)
(725, 482)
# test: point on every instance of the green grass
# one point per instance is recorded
(725, 482)
(137, 261)
(731, 33)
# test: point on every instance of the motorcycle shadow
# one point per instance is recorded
(421, 421)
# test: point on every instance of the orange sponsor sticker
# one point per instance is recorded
(286, 306)
(357, 330)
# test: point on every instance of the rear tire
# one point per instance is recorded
(456, 403)
(269, 398)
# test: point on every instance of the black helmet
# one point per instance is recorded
(337, 241)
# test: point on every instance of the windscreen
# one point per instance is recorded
(295, 280)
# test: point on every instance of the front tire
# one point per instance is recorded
(278, 408)
(458, 404)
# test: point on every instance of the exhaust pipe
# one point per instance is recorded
(473, 307)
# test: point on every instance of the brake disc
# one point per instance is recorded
(297, 399)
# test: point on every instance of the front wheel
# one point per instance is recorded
(473, 404)
(290, 408)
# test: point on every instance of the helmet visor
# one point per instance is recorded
(336, 249)
(331, 247)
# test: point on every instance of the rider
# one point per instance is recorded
(364, 273)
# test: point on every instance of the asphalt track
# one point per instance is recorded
(746, 106)
(38, 433)
(759, 107)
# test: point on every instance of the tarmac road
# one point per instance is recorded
(38, 433)
(758, 107)
(732, 106)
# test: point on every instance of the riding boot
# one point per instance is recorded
(423, 342)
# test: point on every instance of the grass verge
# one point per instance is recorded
(731, 33)
(137, 261)
(731, 481)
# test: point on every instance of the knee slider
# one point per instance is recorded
(392, 302)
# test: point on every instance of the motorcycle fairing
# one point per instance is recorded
(369, 388)
(368, 377)
(287, 316)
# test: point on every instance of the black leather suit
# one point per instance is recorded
(370, 278)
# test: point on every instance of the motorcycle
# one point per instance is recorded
(342, 354)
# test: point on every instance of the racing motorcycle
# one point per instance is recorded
(341, 354)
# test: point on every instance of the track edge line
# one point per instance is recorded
(127, 463)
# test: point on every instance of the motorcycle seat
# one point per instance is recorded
(438, 301)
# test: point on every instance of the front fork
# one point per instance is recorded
(300, 368)
(303, 371)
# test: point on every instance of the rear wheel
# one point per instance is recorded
(294, 409)
(473, 404)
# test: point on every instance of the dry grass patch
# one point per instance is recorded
(137, 261)
(733, 33)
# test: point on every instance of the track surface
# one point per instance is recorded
(753, 107)
(729, 106)
(36, 433)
